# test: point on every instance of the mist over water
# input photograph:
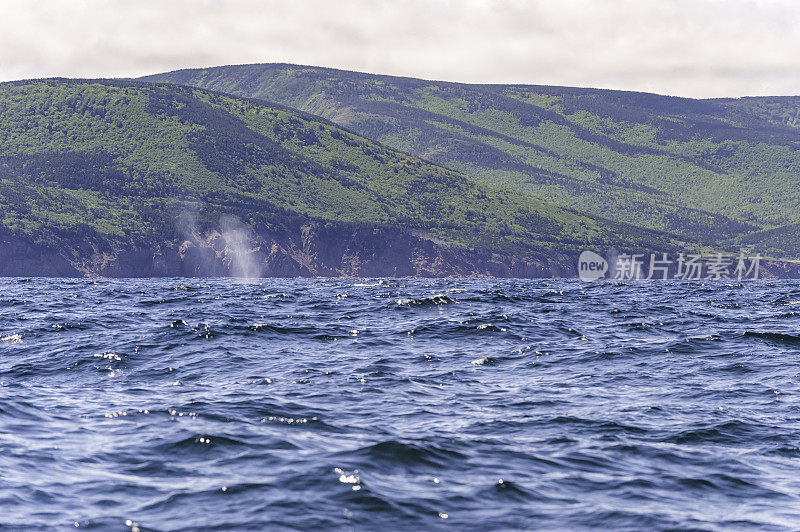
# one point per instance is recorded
(181, 404)
(236, 242)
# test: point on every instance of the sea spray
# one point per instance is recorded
(231, 245)
(244, 258)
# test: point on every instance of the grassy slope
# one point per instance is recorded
(715, 170)
(113, 162)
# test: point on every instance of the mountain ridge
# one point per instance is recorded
(434, 80)
(94, 173)
(702, 169)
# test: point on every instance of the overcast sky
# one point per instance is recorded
(698, 48)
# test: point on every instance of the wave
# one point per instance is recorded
(776, 337)
(427, 301)
(598, 406)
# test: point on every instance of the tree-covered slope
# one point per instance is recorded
(101, 164)
(716, 170)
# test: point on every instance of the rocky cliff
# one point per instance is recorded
(308, 251)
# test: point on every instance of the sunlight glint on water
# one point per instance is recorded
(177, 403)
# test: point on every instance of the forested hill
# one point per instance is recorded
(92, 167)
(717, 170)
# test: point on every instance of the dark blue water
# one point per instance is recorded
(400, 404)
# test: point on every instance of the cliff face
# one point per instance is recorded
(20, 258)
(316, 250)
(310, 251)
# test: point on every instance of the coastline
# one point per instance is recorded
(309, 251)
(321, 250)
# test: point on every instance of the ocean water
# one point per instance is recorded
(407, 404)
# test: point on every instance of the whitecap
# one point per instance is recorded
(12, 339)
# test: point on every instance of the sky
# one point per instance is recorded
(695, 48)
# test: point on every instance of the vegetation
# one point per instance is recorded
(718, 171)
(102, 164)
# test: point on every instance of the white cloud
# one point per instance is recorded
(686, 47)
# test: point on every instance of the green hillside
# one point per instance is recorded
(715, 170)
(105, 163)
